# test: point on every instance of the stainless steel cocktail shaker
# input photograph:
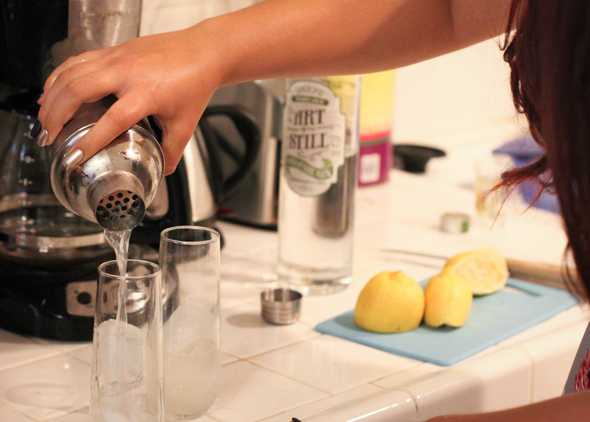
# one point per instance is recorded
(115, 186)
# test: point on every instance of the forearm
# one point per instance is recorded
(570, 408)
(279, 38)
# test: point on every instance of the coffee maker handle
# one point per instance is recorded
(250, 135)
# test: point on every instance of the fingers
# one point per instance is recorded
(62, 105)
(175, 140)
(66, 77)
(72, 61)
(121, 116)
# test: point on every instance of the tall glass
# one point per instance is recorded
(489, 202)
(190, 259)
(127, 378)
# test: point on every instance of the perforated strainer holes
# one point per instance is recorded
(120, 210)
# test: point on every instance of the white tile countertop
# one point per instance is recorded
(275, 373)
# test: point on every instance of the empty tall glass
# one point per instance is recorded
(190, 259)
(127, 379)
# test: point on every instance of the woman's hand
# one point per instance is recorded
(170, 76)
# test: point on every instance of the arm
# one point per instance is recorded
(307, 37)
(570, 408)
(173, 75)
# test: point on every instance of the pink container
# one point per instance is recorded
(374, 159)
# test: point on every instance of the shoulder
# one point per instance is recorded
(479, 19)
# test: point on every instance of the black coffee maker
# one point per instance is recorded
(49, 256)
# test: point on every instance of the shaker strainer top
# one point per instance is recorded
(120, 210)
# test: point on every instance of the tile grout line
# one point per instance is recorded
(367, 382)
(410, 368)
(7, 404)
(291, 379)
(304, 403)
(72, 412)
(377, 386)
(334, 395)
(331, 394)
(75, 345)
(223, 309)
(80, 360)
(311, 337)
(30, 361)
(536, 337)
(533, 374)
(411, 396)
(56, 413)
(294, 408)
(231, 355)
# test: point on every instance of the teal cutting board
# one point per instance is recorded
(493, 318)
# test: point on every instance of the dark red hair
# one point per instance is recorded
(548, 49)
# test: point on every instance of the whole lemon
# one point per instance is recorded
(390, 302)
(448, 300)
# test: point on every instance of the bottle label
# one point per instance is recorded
(314, 132)
(348, 88)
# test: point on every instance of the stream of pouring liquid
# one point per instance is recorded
(119, 241)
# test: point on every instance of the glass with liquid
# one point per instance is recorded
(190, 259)
(127, 369)
(489, 201)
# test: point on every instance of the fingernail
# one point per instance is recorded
(73, 158)
(43, 138)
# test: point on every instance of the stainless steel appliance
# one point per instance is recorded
(48, 254)
(255, 200)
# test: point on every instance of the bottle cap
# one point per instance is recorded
(455, 222)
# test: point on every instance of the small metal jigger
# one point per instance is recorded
(114, 187)
(281, 306)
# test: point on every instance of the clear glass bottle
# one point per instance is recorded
(318, 182)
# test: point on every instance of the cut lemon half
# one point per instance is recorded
(448, 301)
(485, 270)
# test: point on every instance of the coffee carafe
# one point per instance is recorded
(35, 229)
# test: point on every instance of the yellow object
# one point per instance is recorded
(485, 270)
(391, 302)
(448, 301)
(376, 102)
(347, 88)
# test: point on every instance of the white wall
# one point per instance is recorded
(168, 15)
(462, 92)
